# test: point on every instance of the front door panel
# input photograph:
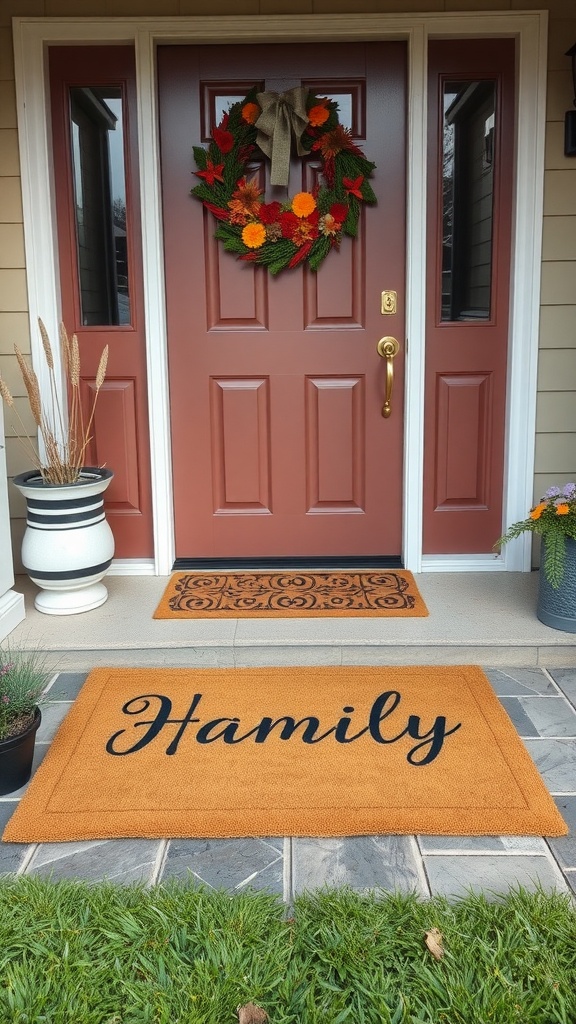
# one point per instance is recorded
(93, 94)
(471, 160)
(276, 387)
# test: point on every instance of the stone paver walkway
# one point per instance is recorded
(542, 705)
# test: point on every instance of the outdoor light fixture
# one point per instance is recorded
(570, 118)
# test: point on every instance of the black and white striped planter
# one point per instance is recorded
(68, 545)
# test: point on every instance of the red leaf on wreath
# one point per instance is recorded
(301, 254)
(212, 173)
(352, 186)
(329, 170)
(339, 211)
(217, 211)
(244, 153)
(249, 257)
(223, 139)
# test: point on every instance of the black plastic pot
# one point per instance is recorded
(16, 756)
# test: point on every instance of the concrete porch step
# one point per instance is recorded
(484, 618)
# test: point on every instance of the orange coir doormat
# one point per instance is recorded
(290, 593)
(329, 751)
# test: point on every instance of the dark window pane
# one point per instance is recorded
(100, 204)
(467, 196)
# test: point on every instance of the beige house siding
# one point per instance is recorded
(556, 409)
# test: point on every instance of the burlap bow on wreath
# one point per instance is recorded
(283, 115)
(307, 226)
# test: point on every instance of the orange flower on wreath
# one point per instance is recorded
(248, 193)
(254, 235)
(537, 512)
(303, 204)
(251, 112)
(336, 141)
(245, 201)
(318, 114)
(562, 509)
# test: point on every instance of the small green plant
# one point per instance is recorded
(554, 517)
(23, 680)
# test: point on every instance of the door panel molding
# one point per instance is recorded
(462, 458)
(240, 413)
(33, 35)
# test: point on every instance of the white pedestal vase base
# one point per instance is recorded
(70, 602)
(68, 545)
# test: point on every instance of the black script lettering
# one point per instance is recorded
(133, 707)
(342, 728)
(424, 752)
(437, 735)
(378, 714)
(227, 734)
(385, 704)
(289, 727)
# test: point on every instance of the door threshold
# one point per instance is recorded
(293, 562)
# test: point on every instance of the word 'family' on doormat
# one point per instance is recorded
(289, 593)
(327, 751)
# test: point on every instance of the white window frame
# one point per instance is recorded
(33, 36)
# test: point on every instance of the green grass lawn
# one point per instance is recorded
(73, 953)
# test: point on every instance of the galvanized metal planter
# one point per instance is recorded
(557, 607)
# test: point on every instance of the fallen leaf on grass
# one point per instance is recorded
(252, 1014)
(433, 940)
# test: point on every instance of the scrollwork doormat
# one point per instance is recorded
(328, 751)
(290, 593)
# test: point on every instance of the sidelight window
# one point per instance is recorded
(99, 176)
(467, 199)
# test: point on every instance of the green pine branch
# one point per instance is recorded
(554, 550)
(319, 252)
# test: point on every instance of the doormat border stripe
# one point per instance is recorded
(292, 594)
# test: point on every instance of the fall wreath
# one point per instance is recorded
(308, 225)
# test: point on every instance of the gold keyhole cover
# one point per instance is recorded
(388, 302)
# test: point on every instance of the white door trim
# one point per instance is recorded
(32, 36)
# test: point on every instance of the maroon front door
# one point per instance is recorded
(279, 446)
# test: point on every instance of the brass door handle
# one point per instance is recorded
(388, 348)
